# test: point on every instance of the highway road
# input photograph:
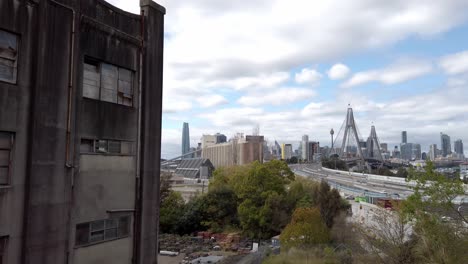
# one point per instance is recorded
(353, 184)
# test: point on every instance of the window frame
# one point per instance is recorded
(105, 229)
(120, 96)
(106, 150)
(18, 44)
(10, 157)
(3, 248)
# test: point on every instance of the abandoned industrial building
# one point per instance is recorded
(80, 131)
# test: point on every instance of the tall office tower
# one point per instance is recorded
(305, 147)
(277, 150)
(432, 151)
(445, 144)
(404, 138)
(458, 148)
(406, 151)
(80, 131)
(185, 139)
(313, 151)
(416, 155)
(286, 151)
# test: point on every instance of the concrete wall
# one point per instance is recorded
(52, 186)
(15, 16)
(116, 252)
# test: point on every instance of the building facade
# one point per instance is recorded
(185, 139)
(445, 145)
(404, 137)
(304, 148)
(458, 147)
(406, 151)
(286, 151)
(80, 131)
(208, 140)
(432, 152)
(239, 151)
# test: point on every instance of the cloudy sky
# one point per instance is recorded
(293, 66)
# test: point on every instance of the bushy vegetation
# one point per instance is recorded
(256, 199)
(428, 227)
(334, 163)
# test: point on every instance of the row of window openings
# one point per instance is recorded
(8, 56)
(6, 146)
(3, 247)
(102, 230)
(106, 146)
(101, 81)
(106, 82)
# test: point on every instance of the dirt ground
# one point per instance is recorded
(171, 260)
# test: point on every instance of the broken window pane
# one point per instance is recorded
(91, 81)
(82, 234)
(109, 82)
(87, 145)
(8, 56)
(96, 236)
(101, 146)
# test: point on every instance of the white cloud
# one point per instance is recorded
(212, 100)
(393, 74)
(174, 106)
(277, 97)
(455, 63)
(307, 75)
(253, 82)
(338, 71)
(242, 40)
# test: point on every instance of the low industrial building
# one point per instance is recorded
(196, 168)
(238, 151)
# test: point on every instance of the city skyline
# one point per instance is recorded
(398, 67)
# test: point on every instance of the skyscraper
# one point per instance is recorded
(185, 139)
(304, 147)
(432, 151)
(458, 146)
(404, 138)
(445, 145)
(406, 151)
(416, 152)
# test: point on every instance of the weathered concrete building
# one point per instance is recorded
(80, 128)
(238, 151)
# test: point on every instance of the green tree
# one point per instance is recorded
(192, 217)
(305, 229)
(220, 208)
(330, 203)
(170, 211)
(440, 239)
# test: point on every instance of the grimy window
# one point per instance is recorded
(106, 146)
(102, 230)
(106, 82)
(8, 56)
(6, 145)
(3, 248)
